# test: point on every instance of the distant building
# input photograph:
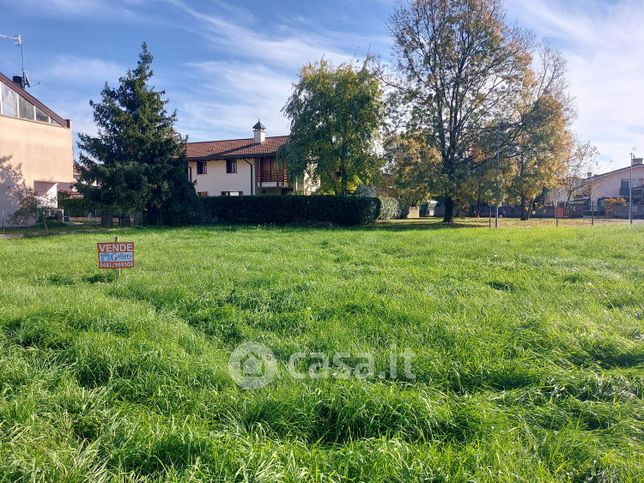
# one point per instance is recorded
(35, 148)
(612, 185)
(241, 167)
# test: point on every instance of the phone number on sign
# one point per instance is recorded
(115, 264)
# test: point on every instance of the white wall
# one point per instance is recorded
(31, 152)
(608, 186)
(603, 186)
(217, 180)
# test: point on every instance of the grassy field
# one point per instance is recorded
(528, 355)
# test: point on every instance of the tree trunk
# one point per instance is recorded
(343, 176)
(524, 208)
(530, 208)
(449, 210)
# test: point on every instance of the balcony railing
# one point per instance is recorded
(274, 176)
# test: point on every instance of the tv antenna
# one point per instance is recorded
(24, 80)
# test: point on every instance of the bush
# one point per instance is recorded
(389, 208)
(75, 206)
(282, 210)
(404, 206)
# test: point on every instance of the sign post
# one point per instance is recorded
(117, 255)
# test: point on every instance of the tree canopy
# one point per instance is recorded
(469, 86)
(336, 114)
(137, 161)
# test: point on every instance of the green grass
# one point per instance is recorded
(529, 355)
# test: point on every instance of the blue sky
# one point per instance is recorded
(226, 63)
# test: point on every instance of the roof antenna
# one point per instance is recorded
(24, 80)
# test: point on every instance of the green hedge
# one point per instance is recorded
(75, 206)
(282, 210)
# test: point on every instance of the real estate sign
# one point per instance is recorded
(115, 255)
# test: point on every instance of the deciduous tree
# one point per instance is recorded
(542, 149)
(410, 163)
(581, 161)
(336, 114)
(467, 82)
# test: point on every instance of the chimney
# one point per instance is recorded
(259, 131)
(18, 80)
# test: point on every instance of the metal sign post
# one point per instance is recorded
(630, 192)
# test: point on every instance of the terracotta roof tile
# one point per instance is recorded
(235, 148)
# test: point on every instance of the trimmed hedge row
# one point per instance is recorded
(275, 210)
(282, 210)
(75, 206)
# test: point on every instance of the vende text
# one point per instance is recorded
(115, 255)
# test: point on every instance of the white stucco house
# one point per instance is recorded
(611, 185)
(241, 167)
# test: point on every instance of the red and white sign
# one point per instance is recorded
(115, 255)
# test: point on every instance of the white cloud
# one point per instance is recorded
(287, 48)
(75, 8)
(227, 97)
(231, 97)
(606, 66)
(82, 70)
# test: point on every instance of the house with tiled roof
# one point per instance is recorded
(239, 167)
(35, 148)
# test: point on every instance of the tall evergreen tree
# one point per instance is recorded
(137, 162)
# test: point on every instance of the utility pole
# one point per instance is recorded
(498, 167)
(590, 195)
(630, 192)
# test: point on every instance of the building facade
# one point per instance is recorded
(241, 167)
(35, 149)
(596, 190)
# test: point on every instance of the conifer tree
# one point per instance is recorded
(137, 162)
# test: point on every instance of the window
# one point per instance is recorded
(8, 101)
(232, 193)
(202, 167)
(623, 189)
(41, 116)
(202, 194)
(25, 109)
(231, 166)
(14, 105)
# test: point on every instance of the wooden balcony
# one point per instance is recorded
(270, 175)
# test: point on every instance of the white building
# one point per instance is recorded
(241, 167)
(612, 185)
(35, 149)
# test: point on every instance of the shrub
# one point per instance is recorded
(405, 206)
(282, 210)
(389, 209)
(75, 206)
